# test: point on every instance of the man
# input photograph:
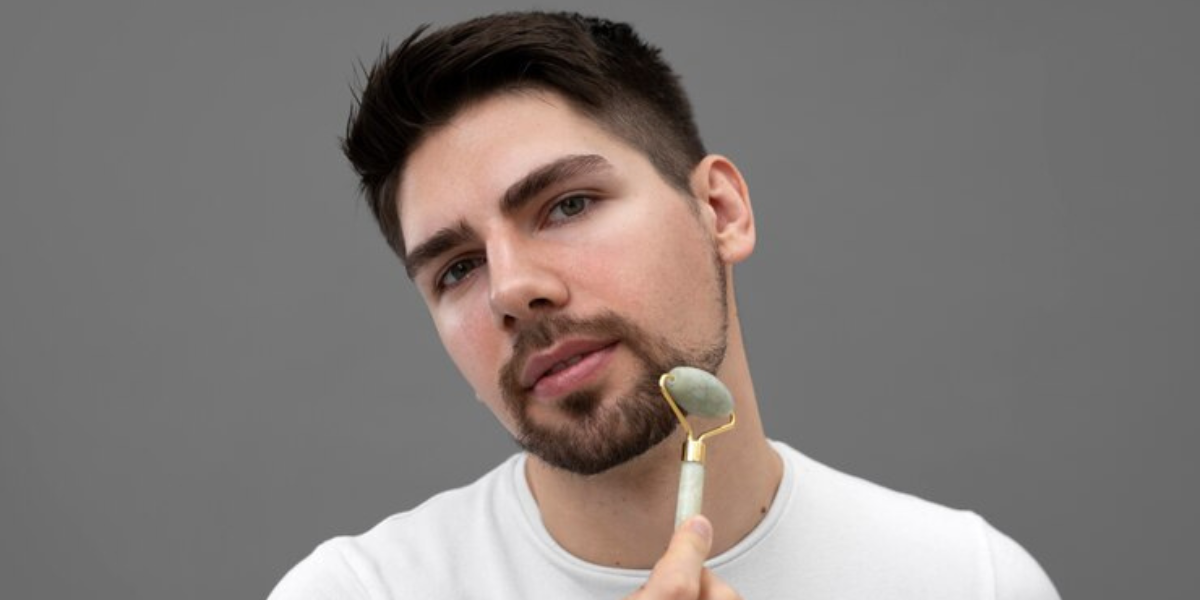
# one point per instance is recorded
(542, 179)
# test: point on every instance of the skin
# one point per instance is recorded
(634, 249)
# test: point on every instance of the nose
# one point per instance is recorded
(524, 282)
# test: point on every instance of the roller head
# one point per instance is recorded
(699, 392)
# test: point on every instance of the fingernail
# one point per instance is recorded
(700, 526)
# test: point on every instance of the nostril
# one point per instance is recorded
(537, 303)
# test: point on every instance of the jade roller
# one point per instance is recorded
(698, 393)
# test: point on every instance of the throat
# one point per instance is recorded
(624, 517)
(629, 509)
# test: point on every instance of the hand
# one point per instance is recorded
(680, 573)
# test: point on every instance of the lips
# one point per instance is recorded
(557, 362)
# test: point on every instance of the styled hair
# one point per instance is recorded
(602, 68)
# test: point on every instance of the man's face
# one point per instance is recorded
(563, 274)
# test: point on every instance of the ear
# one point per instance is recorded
(725, 204)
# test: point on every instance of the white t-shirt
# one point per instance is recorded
(827, 535)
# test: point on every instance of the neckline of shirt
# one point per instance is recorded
(536, 529)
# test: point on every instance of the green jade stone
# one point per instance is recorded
(699, 392)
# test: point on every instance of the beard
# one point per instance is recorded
(599, 436)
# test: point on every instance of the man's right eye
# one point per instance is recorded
(457, 271)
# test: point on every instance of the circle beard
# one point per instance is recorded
(598, 437)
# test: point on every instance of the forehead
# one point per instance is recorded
(463, 168)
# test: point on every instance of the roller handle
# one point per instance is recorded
(691, 491)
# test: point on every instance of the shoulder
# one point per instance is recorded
(424, 544)
(882, 516)
(1017, 575)
(327, 573)
(907, 541)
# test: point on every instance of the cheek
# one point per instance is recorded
(477, 349)
(650, 257)
(468, 336)
(623, 254)
(615, 273)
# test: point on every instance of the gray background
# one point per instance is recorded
(976, 279)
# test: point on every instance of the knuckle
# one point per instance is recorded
(696, 545)
(688, 547)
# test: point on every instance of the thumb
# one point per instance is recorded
(682, 564)
(695, 532)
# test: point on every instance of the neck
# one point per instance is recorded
(630, 509)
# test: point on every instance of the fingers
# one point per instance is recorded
(680, 573)
(713, 588)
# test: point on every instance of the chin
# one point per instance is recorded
(602, 440)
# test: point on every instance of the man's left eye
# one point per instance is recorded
(569, 207)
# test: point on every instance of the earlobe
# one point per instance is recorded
(723, 195)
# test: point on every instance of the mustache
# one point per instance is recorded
(543, 333)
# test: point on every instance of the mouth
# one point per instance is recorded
(565, 367)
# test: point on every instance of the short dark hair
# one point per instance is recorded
(602, 68)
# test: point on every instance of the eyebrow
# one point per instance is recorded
(516, 197)
(531, 185)
(439, 243)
